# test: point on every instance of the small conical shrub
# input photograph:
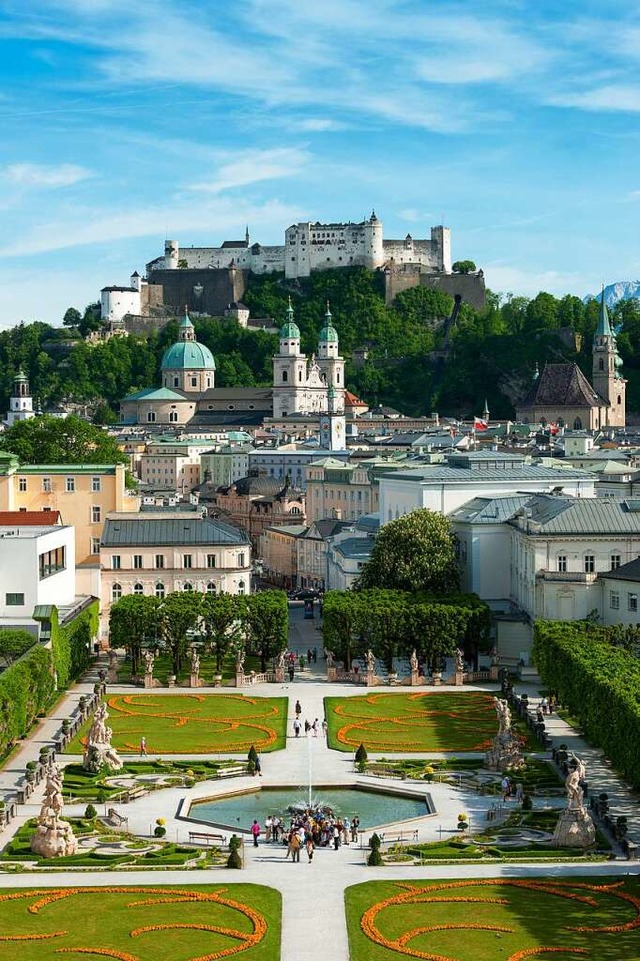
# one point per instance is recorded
(361, 754)
(234, 860)
(375, 858)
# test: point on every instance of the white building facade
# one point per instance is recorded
(37, 567)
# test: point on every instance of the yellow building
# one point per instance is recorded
(83, 494)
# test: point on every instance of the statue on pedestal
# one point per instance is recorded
(413, 660)
(504, 716)
(505, 751)
(99, 751)
(240, 661)
(149, 658)
(53, 838)
(575, 828)
(370, 660)
(282, 656)
(459, 661)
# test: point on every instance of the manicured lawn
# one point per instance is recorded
(506, 919)
(141, 923)
(78, 783)
(163, 669)
(412, 722)
(193, 723)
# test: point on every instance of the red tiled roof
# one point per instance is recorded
(352, 400)
(29, 518)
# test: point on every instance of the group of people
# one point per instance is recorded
(309, 727)
(308, 830)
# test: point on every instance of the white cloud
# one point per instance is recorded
(317, 124)
(254, 166)
(623, 97)
(42, 175)
(508, 278)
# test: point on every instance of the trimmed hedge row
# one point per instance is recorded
(598, 683)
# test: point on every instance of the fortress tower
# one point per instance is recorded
(21, 401)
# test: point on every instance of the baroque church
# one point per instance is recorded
(562, 395)
(303, 388)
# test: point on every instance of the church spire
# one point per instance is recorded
(604, 327)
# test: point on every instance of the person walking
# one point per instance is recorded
(143, 746)
(310, 846)
(307, 727)
(291, 672)
(295, 845)
(297, 726)
(258, 767)
(298, 709)
(325, 727)
(315, 726)
(355, 824)
(255, 831)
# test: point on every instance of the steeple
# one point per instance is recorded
(246, 235)
(604, 327)
(186, 330)
(485, 412)
(607, 378)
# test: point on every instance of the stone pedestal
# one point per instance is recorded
(574, 829)
(279, 675)
(54, 840)
(370, 679)
(148, 681)
(415, 679)
(239, 678)
(195, 681)
(494, 672)
(331, 673)
(436, 678)
(458, 679)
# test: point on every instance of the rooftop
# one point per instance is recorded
(29, 518)
(169, 531)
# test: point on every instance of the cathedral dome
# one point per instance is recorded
(188, 355)
(257, 483)
(328, 335)
(290, 331)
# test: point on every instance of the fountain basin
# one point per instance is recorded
(376, 807)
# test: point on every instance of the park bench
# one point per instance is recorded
(116, 818)
(399, 838)
(133, 794)
(199, 837)
(231, 771)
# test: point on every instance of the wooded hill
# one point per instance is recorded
(413, 364)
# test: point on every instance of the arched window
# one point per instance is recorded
(577, 424)
(173, 417)
(560, 422)
(187, 587)
(601, 364)
(151, 417)
(285, 376)
(160, 591)
(211, 588)
(138, 588)
(619, 399)
(300, 375)
(116, 592)
(241, 587)
(176, 381)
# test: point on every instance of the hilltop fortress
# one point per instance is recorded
(209, 279)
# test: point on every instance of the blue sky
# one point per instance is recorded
(517, 123)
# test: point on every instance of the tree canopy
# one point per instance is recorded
(14, 642)
(416, 553)
(55, 440)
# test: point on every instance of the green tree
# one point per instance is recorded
(220, 624)
(413, 553)
(340, 624)
(266, 624)
(14, 642)
(72, 317)
(179, 615)
(463, 267)
(53, 440)
(133, 625)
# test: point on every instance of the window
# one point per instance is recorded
(589, 563)
(96, 514)
(240, 560)
(176, 381)
(632, 602)
(96, 484)
(138, 588)
(577, 424)
(241, 587)
(173, 417)
(46, 485)
(614, 600)
(137, 562)
(211, 588)
(70, 485)
(160, 591)
(562, 563)
(22, 485)
(14, 600)
(615, 561)
(95, 545)
(151, 417)
(187, 587)
(285, 376)
(187, 560)
(50, 562)
(211, 560)
(116, 592)
(115, 562)
(159, 561)
(194, 381)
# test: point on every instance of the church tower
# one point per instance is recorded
(329, 360)
(289, 371)
(607, 378)
(333, 423)
(21, 401)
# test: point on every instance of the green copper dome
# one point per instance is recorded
(188, 355)
(289, 330)
(328, 334)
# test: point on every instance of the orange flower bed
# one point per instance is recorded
(419, 894)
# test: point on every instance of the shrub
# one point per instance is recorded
(375, 858)
(361, 754)
(159, 831)
(234, 860)
(90, 812)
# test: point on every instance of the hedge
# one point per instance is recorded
(28, 686)
(599, 684)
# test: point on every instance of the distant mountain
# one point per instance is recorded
(621, 290)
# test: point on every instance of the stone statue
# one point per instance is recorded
(99, 751)
(240, 661)
(370, 660)
(504, 716)
(573, 784)
(494, 656)
(413, 660)
(575, 827)
(195, 662)
(330, 656)
(149, 658)
(459, 661)
(282, 656)
(53, 838)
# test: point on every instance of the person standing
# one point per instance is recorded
(355, 824)
(297, 727)
(291, 672)
(255, 831)
(258, 767)
(298, 709)
(336, 837)
(315, 726)
(143, 746)
(295, 845)
(325, 727)
(268, 828)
